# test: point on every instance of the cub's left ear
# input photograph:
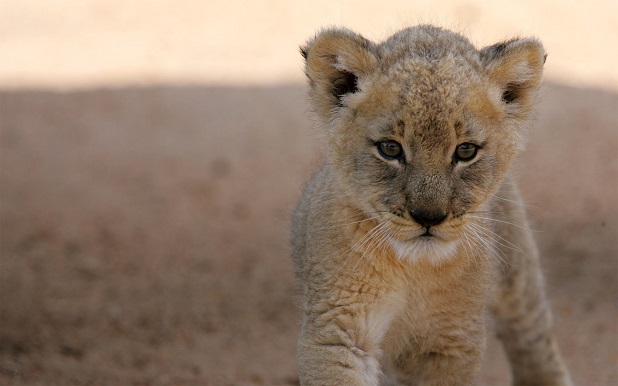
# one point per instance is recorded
(336, 62)
(516, 66)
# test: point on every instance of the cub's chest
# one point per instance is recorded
(430, 309)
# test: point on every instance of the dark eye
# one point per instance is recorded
(390, 150)
(466, 152)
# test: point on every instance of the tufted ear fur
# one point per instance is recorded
(516, 67)
(336, 61)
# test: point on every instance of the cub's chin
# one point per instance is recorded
(431, 248)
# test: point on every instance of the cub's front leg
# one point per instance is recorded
(334, 359)
(523, 317)
(340, 337)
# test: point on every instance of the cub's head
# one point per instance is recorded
(421, 129)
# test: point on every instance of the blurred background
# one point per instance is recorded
(151, 154)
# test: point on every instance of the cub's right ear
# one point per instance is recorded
(516, 67)
(335, 60)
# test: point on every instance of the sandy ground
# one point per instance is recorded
(144, 229)
(94, 43)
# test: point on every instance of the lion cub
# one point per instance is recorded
(412, 229)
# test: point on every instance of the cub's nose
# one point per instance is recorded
(428, 218)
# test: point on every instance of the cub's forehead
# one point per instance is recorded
(419, 83)
(427, 78)
(418, 100)
(428, 62)
(414, 89)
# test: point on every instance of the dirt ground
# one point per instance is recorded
(145, 233)
(144, 230)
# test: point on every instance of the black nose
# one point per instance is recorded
(428, 218)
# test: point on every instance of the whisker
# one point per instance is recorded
(487, 249)
(381, 237)
(467, 247)
(504, 222)
(385, 241)
(360, 244)
(471, 242)
(491, 242)
(524, 203)
(497, 211)
(375, 231)
(485, 230)
(500, 253)
(343, 224)
(366, 237)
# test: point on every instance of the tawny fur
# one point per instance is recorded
(387, 299)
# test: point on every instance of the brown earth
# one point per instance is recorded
(144, 230)
(144, 233)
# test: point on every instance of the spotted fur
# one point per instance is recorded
(384, 295)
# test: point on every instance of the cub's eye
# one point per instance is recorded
(390, 150)
(466, 152)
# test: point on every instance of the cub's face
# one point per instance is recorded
(422, 129)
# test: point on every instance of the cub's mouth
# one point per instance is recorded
(412, 241)
(427, 233)
(424, 246)
(408, 230)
